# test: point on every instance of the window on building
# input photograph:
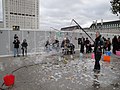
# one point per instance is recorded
(11, 12)
(15, 13)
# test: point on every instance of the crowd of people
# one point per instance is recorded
(85, 43)
(107, 44)
(101, 44)
(52, 45)
(66, 45)
(16, 43)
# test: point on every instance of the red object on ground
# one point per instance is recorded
(9, 80)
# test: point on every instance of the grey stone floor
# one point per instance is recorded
(50, 71)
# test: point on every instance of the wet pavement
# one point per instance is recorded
(53, 71)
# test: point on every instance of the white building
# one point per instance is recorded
(22, 13)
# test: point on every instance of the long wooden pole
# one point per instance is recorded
(83, 30)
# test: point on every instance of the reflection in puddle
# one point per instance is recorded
(96, 83)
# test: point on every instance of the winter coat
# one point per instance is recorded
(16, 43)
(24, 44)
(98, 45)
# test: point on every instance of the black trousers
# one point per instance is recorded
(97, 61)
(24, 50)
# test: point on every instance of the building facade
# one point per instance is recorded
(22, 13)
(106, 25)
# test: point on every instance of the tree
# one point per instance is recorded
(115, 6)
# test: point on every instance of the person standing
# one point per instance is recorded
(98, 45)
(47, 45)
(119, 43)
(87, 43)
(82, 45)
(109, 44)
(16, 43)
(115, 44)
(79, 41)
(24, 47)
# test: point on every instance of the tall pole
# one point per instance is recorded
(83, 30)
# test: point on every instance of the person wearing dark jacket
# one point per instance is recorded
(98, 45)
(24, 47)
(87, 43)
(79, 41)
(16, 43)
(119, 43)
(82, 45)
(109, 44)
(115, 44)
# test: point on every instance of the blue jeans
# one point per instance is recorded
(16, 52)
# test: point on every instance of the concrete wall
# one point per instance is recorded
(1, 24)
(36, 39)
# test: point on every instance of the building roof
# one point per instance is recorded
(107, 23)
(70, 28)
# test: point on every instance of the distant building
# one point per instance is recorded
(111, 27)
(106, 25)
(22, 13)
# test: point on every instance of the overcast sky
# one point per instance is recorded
(59, 13)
